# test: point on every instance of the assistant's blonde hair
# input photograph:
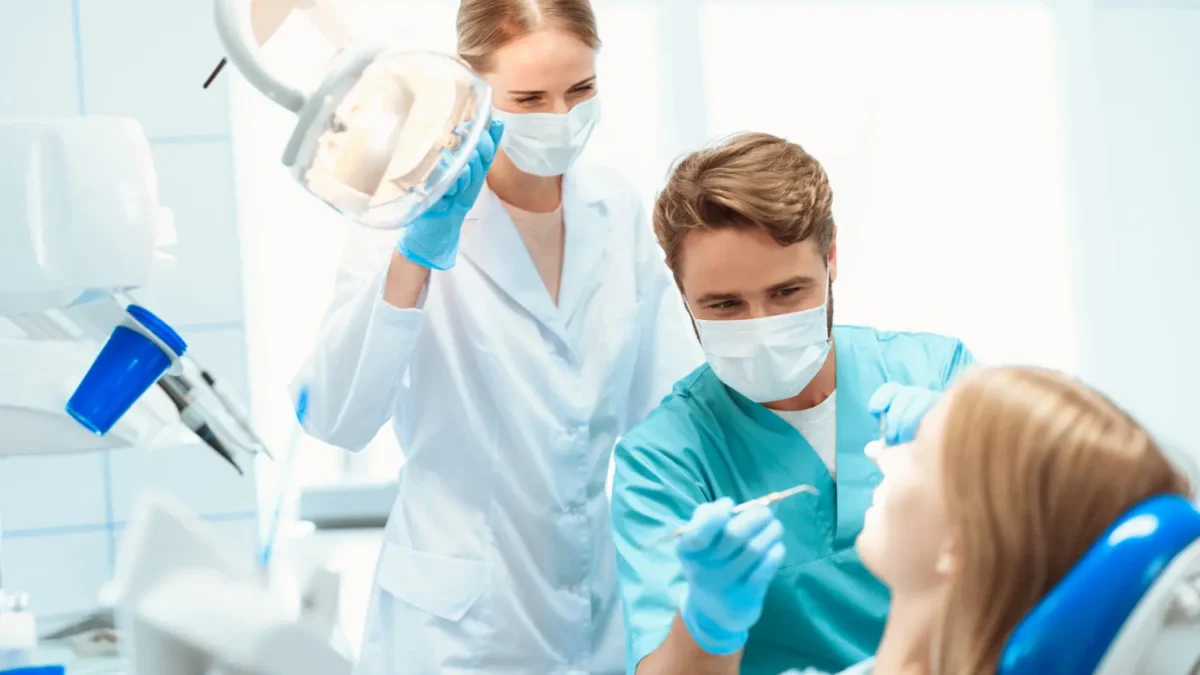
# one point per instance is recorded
(487, 25)
(1036, 467)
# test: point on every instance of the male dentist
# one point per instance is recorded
(783, 400)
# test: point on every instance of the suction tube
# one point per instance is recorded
(237, 36)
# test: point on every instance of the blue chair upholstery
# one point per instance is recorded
(1070, 630)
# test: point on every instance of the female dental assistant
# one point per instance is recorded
(548, 326)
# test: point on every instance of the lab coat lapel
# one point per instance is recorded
(491, 241)
(860, 371)
(586, 214)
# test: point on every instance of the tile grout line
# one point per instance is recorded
(106, 467)
(117, 525)
(78, 38)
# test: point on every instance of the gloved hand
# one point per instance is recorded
(431, 240)
(728, 561)
(901, 408)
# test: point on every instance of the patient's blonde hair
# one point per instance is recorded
(1036, 467)
(487, 25)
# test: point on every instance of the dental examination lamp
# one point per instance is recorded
(385, 133)
(1130, 606)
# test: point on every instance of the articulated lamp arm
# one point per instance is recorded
(244, 26)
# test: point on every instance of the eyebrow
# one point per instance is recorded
(716, 297)
(532, 92)
(794, 281)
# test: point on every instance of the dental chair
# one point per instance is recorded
(1131, 606)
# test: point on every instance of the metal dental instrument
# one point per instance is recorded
(179, 391)
(765, 500)
(239, 415)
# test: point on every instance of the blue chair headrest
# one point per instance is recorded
(1070, 630)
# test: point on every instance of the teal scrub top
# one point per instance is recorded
(823, 610)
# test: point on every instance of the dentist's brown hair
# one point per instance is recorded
(487, 25)
(1036, 466)
(745, 180)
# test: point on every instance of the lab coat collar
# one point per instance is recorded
(501, 254)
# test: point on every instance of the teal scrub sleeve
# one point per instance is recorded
(960, 359)
(654, 493)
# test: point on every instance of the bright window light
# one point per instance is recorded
(939, 126)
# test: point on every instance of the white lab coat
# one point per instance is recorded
(497, 556)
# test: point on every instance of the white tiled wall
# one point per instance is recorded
(38, 562)
(39, 74)
(194, 473)
(64, 516)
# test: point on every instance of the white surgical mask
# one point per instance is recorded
(546, 144)
(767, 359)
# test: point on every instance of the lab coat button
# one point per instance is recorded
(572, 439)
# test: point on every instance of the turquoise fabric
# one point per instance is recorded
(824, 610)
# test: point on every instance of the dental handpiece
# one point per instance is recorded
(765, 500)
(178, 391)
(234, 410)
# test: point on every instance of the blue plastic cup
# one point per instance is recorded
(128, 365)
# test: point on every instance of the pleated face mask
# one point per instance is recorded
(547, 144)
(770, 358)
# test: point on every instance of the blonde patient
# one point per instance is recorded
(1011, 478)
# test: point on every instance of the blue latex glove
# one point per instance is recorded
(728, 561)
(431, 240)
(901, 408)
